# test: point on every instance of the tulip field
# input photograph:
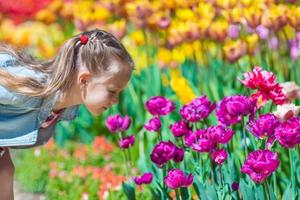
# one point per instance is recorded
(211, 110)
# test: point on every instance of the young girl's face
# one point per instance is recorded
(102, 91)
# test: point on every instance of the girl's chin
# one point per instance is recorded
(98, 111)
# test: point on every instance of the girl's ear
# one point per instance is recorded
(83, 78)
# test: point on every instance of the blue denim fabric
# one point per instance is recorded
(21, 116)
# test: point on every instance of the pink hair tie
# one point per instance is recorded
(84, 39)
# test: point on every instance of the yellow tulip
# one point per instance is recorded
(288, 32)
(100, 14)
(83, 10)
(218, 30)
(233, 15)
(67, 11)
(252, 41)
(275, 17)
(187, 50)
(185, 14)
(164, 57)
(138, 37)
(181, 87)
(178, 55)
(46, 16)
(293, 16)
(55, 5)
(253, 16)
(205, 11)
(225, 4)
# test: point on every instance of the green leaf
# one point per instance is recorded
(156, 194)
(201, 190)
(211, 191)
(260, 192)
(288, 193)
(129, 190)
(246, 190)
(272, 194)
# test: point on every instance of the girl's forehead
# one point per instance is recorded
(117, 80)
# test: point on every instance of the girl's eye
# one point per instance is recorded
(113, 92)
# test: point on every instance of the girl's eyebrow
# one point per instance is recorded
(114, 87)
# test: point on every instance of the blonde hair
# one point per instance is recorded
(96, 55)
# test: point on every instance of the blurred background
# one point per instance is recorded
(182, 49)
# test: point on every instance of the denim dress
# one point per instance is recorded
(21, 116)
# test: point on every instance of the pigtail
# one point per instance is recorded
(63, 67)
(59, 72)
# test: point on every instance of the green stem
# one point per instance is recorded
(201, 165)
(159, 135)
(147, 47)
(212, 171)
(267, 189)
(275, 183)
(244, 138)
(221, 178)
(177, 194)
(271, 107)
(231, 144)
(163, 184)
(130, 162)
(124, 156)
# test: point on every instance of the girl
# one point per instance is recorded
(91, 68)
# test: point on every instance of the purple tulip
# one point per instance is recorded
(273, 43)
(146, 178)
(163, 22)
(163, 152)
(288, 133)
(294, 52)
(179, 155)
(234, 31)
(126, 142)
(125, 124)
(263, 126)
(298, 36)
(235, 186)
(154, 124)
(159, 106)
(219, 156)
(250, 30)
(199, 141)
(260, 164)
(116, 123)
(176, 179)
(293, 42)
(220, 134)
(198, 109)
(262, 32)
(232, 109)
(179, 128)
